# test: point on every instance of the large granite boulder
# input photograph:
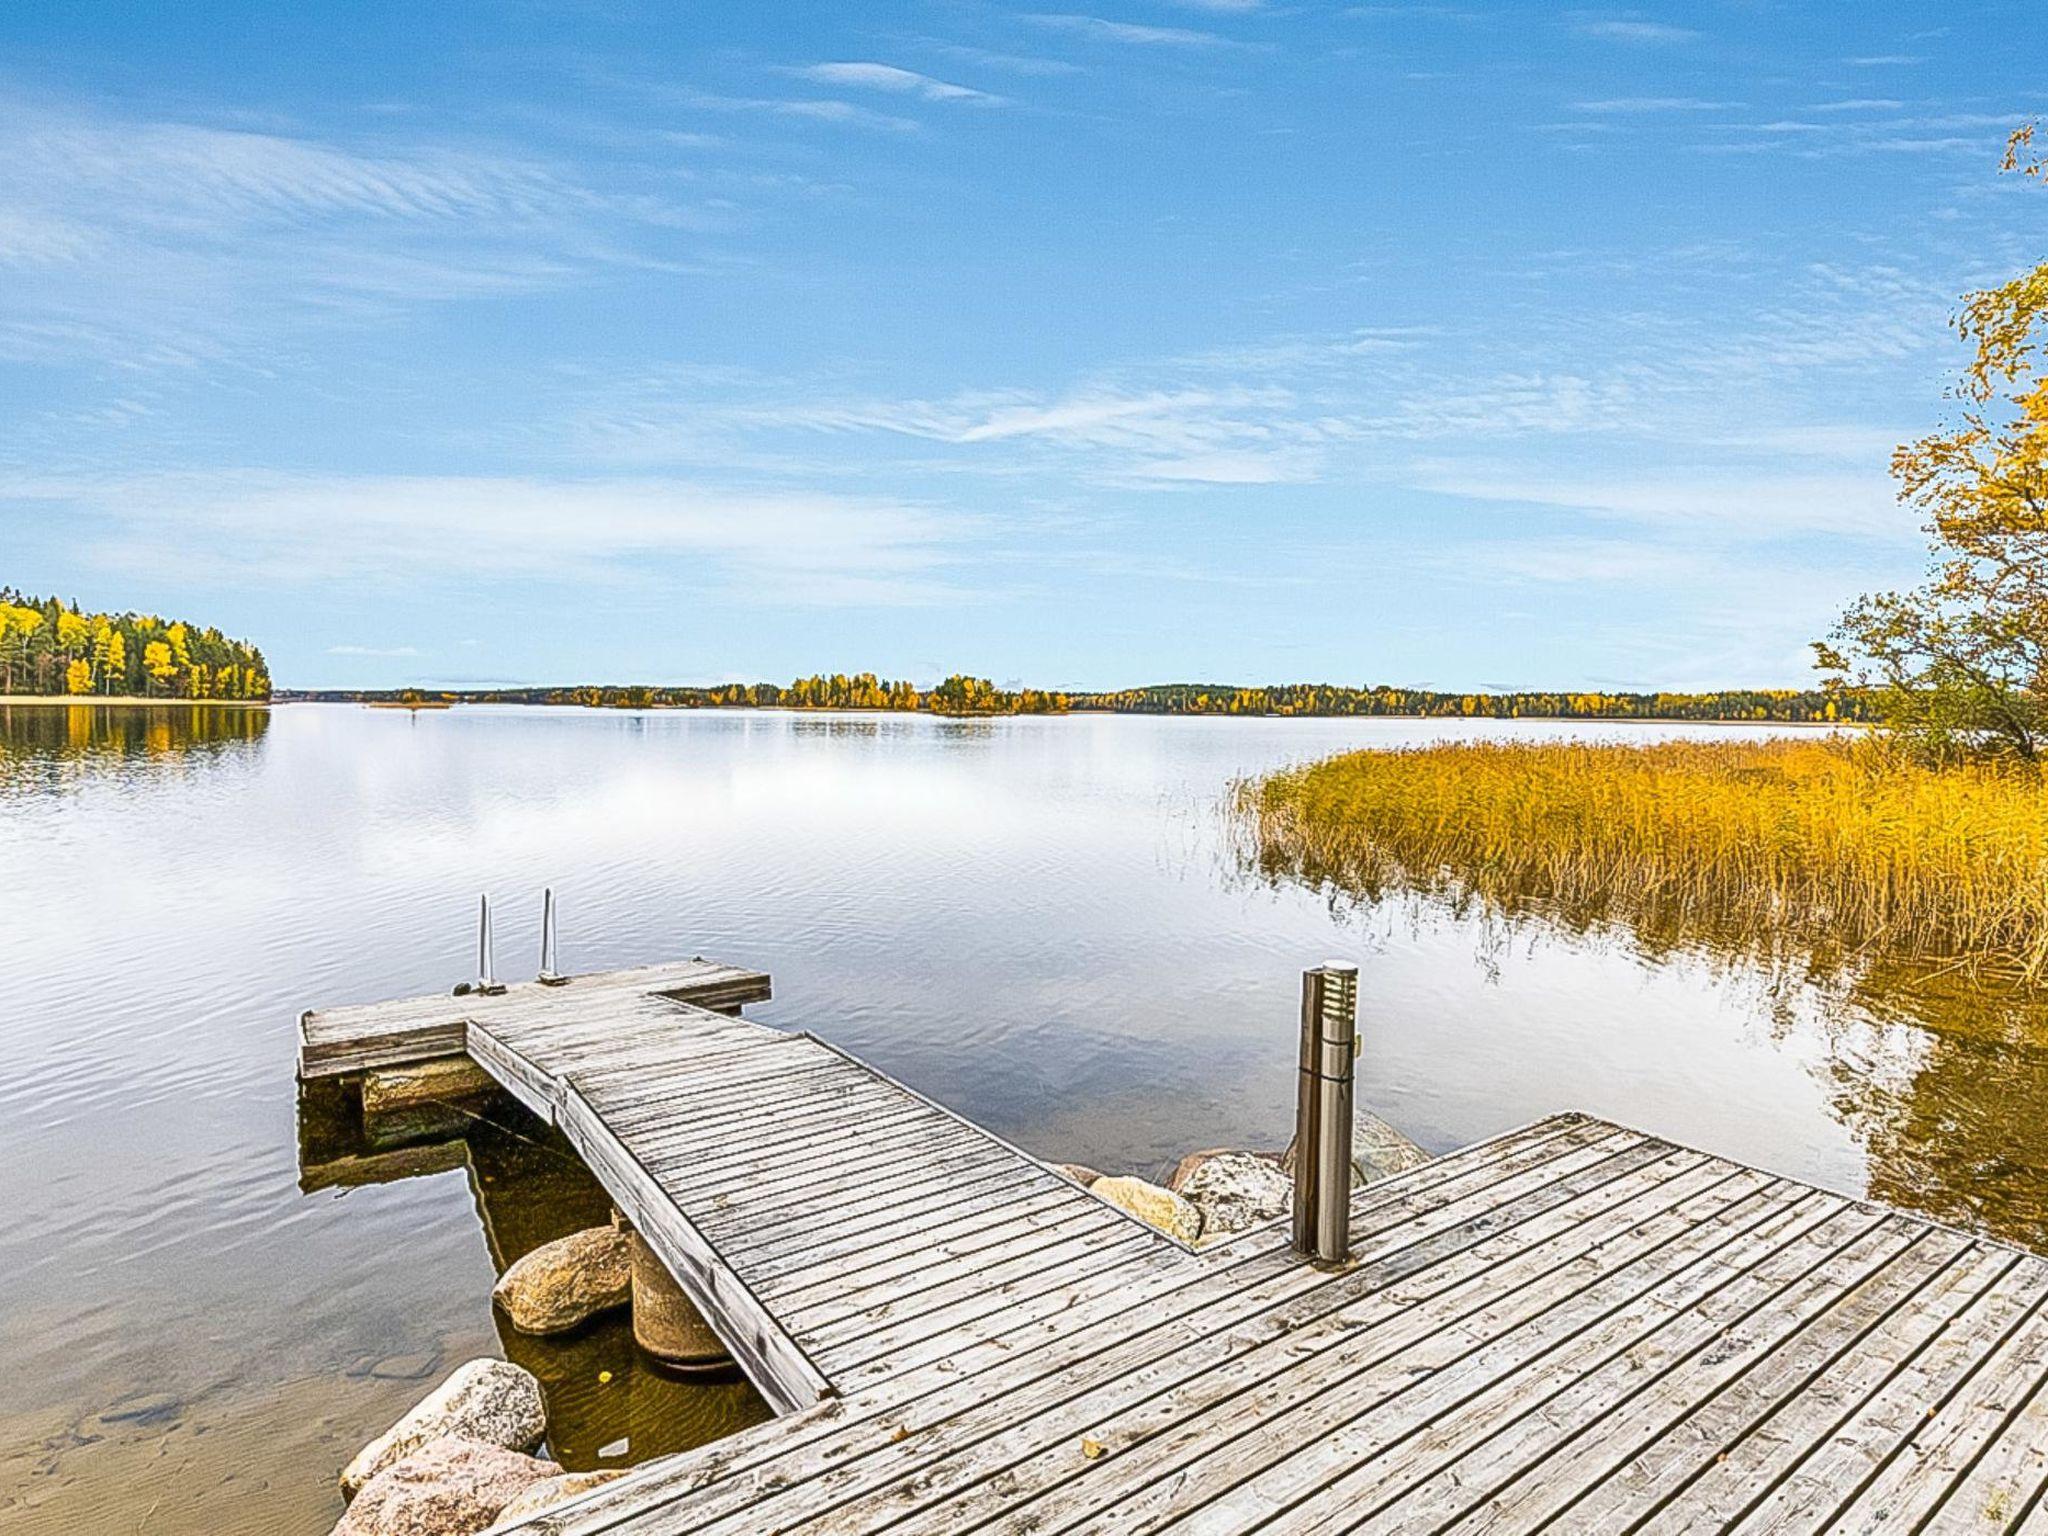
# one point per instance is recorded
(569, 1281)
(451, 1486)
(493, 1401)
(1235, 1191)
(545, 1495)
(1188, 1166)
(1158, 1207)
(1378, 1151)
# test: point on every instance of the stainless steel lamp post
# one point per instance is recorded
(1323, 1113)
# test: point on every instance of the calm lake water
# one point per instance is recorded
(215, 1293)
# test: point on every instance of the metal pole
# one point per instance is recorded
(1307, 1103)
(549, 977)
(486, 977)
(1337, 1051)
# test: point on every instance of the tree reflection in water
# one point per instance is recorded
(47, 746)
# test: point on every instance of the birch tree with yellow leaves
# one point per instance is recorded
(1962, 661)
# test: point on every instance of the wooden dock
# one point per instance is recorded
(1571, 1327)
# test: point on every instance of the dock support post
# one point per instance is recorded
(666, 1323)
(1323, 1113)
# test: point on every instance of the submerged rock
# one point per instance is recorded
(1080, 1173)
(1157, 1207)
(568, 1281)
(493, 1401)
(1235, 1191)
(549, 1492)
(387, 1089)
(451, 1486)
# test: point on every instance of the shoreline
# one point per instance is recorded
(1019, 714)
(124, 701)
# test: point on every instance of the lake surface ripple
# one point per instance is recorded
(215, 1294)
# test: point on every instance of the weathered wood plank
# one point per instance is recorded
(2008, 1481)
(1224, 1447)
(339, 1041)
(1160, 1310)
(775, 1362)
(1748, 1372)
(1952, 1435)
(1263, 1299)
(1593, 1417)
(1854, 1415)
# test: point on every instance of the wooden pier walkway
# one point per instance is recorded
(1573, 1327)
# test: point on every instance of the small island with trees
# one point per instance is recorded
(962, 695)
(55, 650)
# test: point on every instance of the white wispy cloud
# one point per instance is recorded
(989, 58)
(824, 109)
(888, 77)
(808, 546)
(1572, 559)
(177, 173)
(1701, 498)
(1130, 32)
(157, 244)
(1632, 104)
(1627, 29)
(1216, 436)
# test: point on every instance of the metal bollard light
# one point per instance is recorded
(1323, 1113)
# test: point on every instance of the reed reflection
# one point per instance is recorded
(1939, 1069)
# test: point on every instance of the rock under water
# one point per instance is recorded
(563, 1284)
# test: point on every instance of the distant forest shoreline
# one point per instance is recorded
(122, 701)
(57, 650)
(958, 696)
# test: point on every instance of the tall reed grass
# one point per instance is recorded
(1826, 846)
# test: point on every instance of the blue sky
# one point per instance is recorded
(1459, 345)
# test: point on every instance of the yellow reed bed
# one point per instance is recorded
(1826, 845)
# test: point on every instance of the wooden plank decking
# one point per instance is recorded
(833, 1226)
(1572, 1327)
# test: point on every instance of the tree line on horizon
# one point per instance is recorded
(964, 695)
(49, 647)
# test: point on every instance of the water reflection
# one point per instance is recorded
(42, 746)
(609, 1405)
(209, 1309)
(1940, 1071)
